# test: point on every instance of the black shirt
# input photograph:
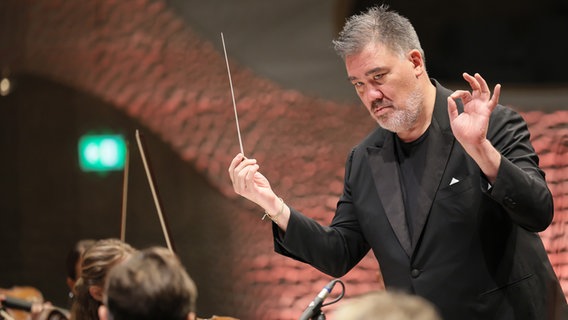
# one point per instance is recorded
(411, 161)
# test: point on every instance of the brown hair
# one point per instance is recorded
(98, 259)
(74, 256)
(152, 284)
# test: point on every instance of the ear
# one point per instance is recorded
(71, 284)
(103, 312)
(415, 57)
(96, 292)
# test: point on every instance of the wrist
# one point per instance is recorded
(275, 214)
(487, 158)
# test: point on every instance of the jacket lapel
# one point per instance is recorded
(385, 171)
(439, 148)
(441, 141)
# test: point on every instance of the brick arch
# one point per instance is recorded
(139, 56)
(557, 235)
(550, 139)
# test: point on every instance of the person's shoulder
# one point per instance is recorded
(503, 113)
(505, 120)
(374, 139)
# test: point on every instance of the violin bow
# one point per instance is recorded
(5, 315)
(124, 194)
(155, 195)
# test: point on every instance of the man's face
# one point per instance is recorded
(388, 86)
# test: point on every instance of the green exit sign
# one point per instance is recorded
(102, 152)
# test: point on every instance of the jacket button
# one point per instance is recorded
(415, 273)
(509, 202)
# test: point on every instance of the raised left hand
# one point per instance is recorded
(470, 126)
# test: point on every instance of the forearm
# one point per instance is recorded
(520, 186)
(487, 158)
(524, 195)
(332, 250)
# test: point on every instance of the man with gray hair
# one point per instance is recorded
(446, 191)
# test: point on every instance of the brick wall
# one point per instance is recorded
(550, 139)
(140, 57)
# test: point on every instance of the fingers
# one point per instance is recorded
(482, 84)
(242, 171)
(452, 109)
(495, 98)
(37, 308)
(471, 80)
(477, 83)
(464, 95)
(484, 90)
(479, 86)
(236, 161)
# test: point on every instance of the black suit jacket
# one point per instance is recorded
(475, 253)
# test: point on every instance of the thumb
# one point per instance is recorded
(452, 109)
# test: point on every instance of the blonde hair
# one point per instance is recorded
(383, 305)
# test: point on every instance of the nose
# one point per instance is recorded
(374, 93)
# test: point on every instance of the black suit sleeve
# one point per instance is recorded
(333, 249)
(520, 186)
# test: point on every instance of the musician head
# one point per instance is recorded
(151, 284)
(387, 305)
(73, 263)
(97, 260)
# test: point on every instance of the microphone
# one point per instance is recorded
(17, 304)
(315, 306)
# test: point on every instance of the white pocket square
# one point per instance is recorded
(454, 181)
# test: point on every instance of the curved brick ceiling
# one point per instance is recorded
(139, 56)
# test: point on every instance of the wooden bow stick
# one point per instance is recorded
(124, 194)
(154, 190)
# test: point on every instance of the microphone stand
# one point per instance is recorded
(318, 313)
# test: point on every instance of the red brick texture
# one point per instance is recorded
(550, 139)
(142, 58)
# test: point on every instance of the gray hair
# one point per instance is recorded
(377, 25)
